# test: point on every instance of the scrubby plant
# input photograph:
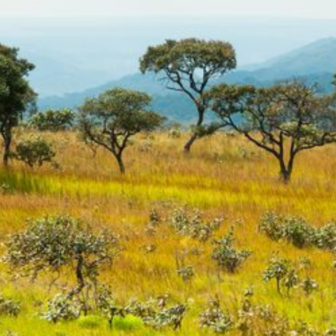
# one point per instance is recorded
(62, 307)
(167, 317)
(156, 314)
(298, 231)
(277, 269)
(107, 305)
(175, 131)
(52, 120)
(330, 332)
(54, 243)
(34, 151)
(293, 229)
(191, 223)
(9, 306)
(185, 272)
(325, 237)
(304, 329)
(260, 319)
(227, 257)
(215, 318)
(154, 221)
(309, 285)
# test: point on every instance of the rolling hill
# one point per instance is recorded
(315, 63)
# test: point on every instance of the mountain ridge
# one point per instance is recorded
(314, 63)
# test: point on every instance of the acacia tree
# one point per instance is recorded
(189, 66)
(283, 120)
(112, 119)
(15, 94)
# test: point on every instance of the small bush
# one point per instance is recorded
(9, 307)
(191, 223)
(215, 319)
(295, 230)
(62, 308)
(34, 152)
(226, 256)
(282, 271)
(325, 237)
(156, 314)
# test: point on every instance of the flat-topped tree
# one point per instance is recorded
(15, 94)
(283, 120)
(188, 66)
(112, 119)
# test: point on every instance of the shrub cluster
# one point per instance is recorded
(191, 223)
(298, 232)
(287, 276)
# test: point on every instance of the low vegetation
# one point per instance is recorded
(206, 243)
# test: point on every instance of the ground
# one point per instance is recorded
(224, 176)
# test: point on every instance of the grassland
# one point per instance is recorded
(223, 176)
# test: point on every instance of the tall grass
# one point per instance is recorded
(222, 176)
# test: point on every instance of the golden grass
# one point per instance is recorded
(223, 175)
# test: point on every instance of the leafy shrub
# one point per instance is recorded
(185, 272)
(215, 319)
(309, 285)
(34, 151)
(62, 307)
(50, 243)
(54, 243)
(325, 237)
(295, 230)
(226, 256)
(156, 314)
(166, 317)
(106, 305)
(9, 307)
(175, 131)
(277, 269)
(260, 319)
(191, 223)
(330, 332)
(52, 120)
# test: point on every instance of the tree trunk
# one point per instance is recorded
(7, 144)
(285, 172)
(187, 146)
(120, 164)
(190, 142)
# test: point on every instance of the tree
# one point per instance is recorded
(112, 119)
(189, 66)
(283, 120)
(54, 243)
(52, 120)
(34, 151)
(15, 94)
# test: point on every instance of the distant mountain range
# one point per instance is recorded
(315, 63)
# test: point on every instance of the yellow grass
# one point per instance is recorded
(223, 176)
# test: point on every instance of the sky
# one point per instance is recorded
(319, 9)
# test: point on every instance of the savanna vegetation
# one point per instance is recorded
(213, 242)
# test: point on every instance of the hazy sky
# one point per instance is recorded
(284, 8)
